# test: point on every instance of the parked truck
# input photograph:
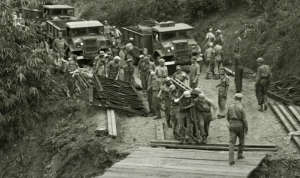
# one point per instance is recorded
(85, 38)
(172, 41)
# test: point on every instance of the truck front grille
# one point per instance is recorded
(90, 46)
(182, 53)
(180, 46)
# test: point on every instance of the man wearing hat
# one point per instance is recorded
(184, 115)
(155, 86)
(238, 127)
(218, 58)
(262, 84)
(161, 71)
(238, 71)
(150, 96)
(210, 37)
(113, 68)
(145, 53)
(204, 115)
(195, 73)
(71, 66)
(129, 45)
(166, 96)
(219, 38)
(237, 43)
(144, 67)
(99, 64)
(223, 90)
(173, 94)
(209, 55)
(196, 130)
(116, 34)
(59, 46)
(181, 76)
(107, 30)
(129, 71)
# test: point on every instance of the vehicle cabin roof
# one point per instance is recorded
(84, 24)
(58, 7)
(177, 27)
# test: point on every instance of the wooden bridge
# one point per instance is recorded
(183, 163)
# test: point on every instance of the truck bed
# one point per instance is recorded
(61, 24)
(143, 30)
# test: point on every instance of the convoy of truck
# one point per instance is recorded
(172, 41)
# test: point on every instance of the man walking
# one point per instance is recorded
(156, 85)
(219, 38)
(238, 127)
(209, 55)
(161, 71)
(239, 71)
(223, 90)
(262, 84)
(218, 59)
(99, 65)
(195, 73)
(128, 72)
(210, 37)
(113, 68)
(59, 46)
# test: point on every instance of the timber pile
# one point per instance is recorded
(111, 123)
(116, 94)
(289, 117)
(180, 85)
(286, 90)
(217, 147)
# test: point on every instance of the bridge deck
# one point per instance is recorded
(177, 163)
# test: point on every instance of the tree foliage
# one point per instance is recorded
(23, 76)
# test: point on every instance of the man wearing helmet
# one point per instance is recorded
(128, 72)
(204, 114)
(219, 37)
(210, 37)
(262, 83)
(113, 68)
(161, 71)
(223, 90)
(155, 87)
(59, 46)
(181, 76)
(209, 55)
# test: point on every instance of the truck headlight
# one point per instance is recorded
(78, 45)
(81, 44)
(172, 48)
(194, 46)
(168, 50)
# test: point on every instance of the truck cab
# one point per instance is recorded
(62, 12)
(86, 39)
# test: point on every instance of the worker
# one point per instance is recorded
(166, 92)
(204, 115)
(262, 84)
(239, 71)
(195, 73)
(116, 35)
(145, 53)
(173, 94)
(181, 76)
(59, 47)
(218, 59)
(113, 68)
(149, 96)
(238, 127)
(237, 43)
(195, 118)
(129, 45)
(99, 65)
(219, 38)
(155, 86)
(107, 30)
(109, 57)
(115, 49)
(143, 68)
(210, 38)
(209, 55)
(184, 115)
(223, 90)
(128, 72)
(161, 71)
(71, 66)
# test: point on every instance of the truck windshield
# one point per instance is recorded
(185, 34)
(56, 12)
(68, 12)
(95, 30)
(79, 32)
(168, 36)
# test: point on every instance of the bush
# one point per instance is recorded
(23, 75)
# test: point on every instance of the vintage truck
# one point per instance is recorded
(51, 12)
(172, 41)
(85, 38)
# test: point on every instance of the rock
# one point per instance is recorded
(49, 166)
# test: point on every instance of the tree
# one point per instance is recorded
(23, 75)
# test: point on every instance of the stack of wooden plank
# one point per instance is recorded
(116, 94)
(161, 163)
(289, 117)
(111, 123)
(218, 146)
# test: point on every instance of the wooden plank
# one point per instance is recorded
(204, 147)
(159, 130)
(113, 123)
(248, 145)
(288, 116)
(109, 124)
(176, 171)
(91, 94)
(286, 123)
(295, 112)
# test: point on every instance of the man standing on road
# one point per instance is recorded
(209, 55)
(203, 109)
(238, 127)
(262, 84)
(210, 38)
(195, 73)
(145, 67)
(128, 72)
(156, 87)
(223, 90)
(107, 30)
(116, 34)
(145, 53)
(166, 96)
(113, 68)
(239, 71)
(99, 65)
(219, 38)
(173, 94)
(161, 71)
(218, 58)
(149, 98)
(181, 76)
(59, 46)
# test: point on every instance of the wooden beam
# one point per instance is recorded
(215, 144)
(285, 122)
(295, 112)
(229, 71)
(91, 94)
(289, 117)
(205, 147)
(113, 123)
(109, 125)
(159, 130)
